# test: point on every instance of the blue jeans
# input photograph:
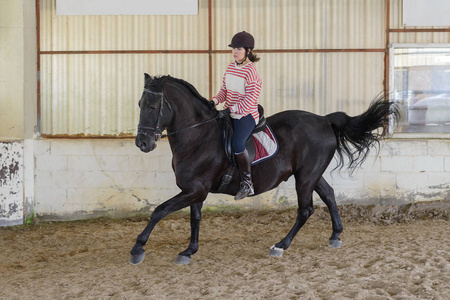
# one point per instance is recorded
(243, 127)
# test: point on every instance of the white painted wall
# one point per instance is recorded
(84, 178)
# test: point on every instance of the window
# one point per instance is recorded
(420, 84)
(126, 7)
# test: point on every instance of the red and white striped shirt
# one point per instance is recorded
(240, 91)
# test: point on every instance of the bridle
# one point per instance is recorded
(157, 130)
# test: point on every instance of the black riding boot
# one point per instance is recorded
(244, 165)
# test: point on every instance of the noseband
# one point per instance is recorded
(157, 130)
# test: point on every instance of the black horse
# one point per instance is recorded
(307, 144)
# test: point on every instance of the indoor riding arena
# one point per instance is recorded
(114, 184)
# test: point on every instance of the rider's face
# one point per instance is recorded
(239, 54)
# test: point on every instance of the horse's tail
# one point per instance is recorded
(356, 135)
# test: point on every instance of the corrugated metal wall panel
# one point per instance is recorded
(315, 82)
(97, 94)
(306, 24)
(420, 37)
(94, 33)
(396, 15)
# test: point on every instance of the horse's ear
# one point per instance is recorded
(146, 76)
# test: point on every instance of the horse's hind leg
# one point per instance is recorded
(305, 210)
(326, 193)
(184, 257)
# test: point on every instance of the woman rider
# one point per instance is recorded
(240, 91)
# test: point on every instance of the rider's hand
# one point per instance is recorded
(212, 104)
(223, 113)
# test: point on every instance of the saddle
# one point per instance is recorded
(249, 145)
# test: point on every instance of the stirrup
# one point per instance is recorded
(246, 190)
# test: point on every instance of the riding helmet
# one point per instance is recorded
(242, 39)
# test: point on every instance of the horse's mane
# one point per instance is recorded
(158, 82)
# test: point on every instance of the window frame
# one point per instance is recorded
(392, 127)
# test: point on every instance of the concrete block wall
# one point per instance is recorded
(81, 178)
(85, 178)
(404, 171)
(420, 167)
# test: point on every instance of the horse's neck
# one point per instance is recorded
(188, 111)
(183, 133)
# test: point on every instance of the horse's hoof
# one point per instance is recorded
(276, 252)
(137, 259)
(335, 244)
(182, 260)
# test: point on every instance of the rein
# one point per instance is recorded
(190, 127)
(157, 132)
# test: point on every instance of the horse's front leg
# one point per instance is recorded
(180, 201)
(184, 257)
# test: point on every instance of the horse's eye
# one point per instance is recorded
(152, 107)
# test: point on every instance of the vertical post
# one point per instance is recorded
(210, 48)
(386, 48)
(38, 64)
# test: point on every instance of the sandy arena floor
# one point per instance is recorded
(387, 253)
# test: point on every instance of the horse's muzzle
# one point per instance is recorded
(145, 144)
